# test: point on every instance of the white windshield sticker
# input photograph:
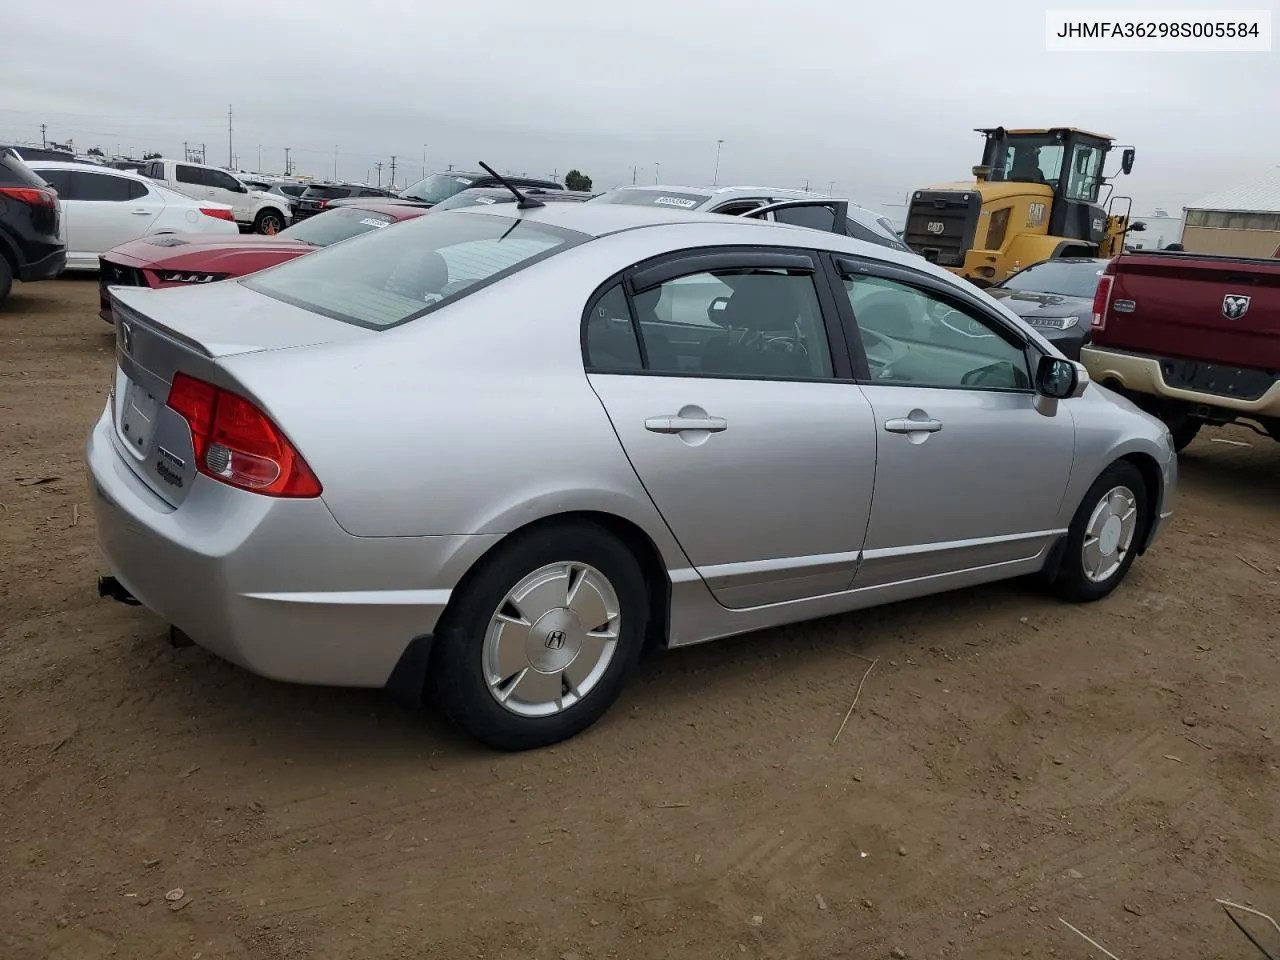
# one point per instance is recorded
(462, 180)
(371, 222)
(676, 202)
(485, 200)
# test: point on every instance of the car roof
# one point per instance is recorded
(80, 167)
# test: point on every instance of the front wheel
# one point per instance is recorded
(539, 642)
(1104, 535)
(268, 222)
(6, 278)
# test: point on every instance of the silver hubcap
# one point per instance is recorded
(551, 640)
(1108, 536)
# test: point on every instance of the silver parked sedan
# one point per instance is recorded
(489, 454)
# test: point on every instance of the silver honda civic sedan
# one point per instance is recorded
(486, 456)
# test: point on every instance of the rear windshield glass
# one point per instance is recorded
(13, 170)
(391, 276)
(1060, 277)
(326, 193)
(340, 223)
(468, 199)
(654, 198)
(293, 189)
(437, 187)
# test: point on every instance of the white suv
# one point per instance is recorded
(254, 210)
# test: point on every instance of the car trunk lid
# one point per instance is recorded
(1219, 310)
(160, 333)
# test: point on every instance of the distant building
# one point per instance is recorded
(1242, 221)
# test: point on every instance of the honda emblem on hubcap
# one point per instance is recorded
(555, 640)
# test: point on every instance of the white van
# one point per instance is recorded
(255, 211)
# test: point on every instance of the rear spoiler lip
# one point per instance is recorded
(127, 313)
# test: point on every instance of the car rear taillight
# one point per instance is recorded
(237, 444)
(32, 196)
(218, 213)
(1102, 300)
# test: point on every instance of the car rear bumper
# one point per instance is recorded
(1142, 373)
(273, 585)
(46, 268)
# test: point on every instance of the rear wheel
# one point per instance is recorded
(540, 641)
(6, 278)
(269, 222)
(1104, 536)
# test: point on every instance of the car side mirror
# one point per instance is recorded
(1126, 160)
(1060, 379)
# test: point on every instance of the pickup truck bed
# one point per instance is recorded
(1192, 338)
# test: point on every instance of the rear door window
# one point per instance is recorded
(99, 187)
(188, 174)
(814, 217)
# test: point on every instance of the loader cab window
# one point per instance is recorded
(1086, 173)
(1033, 160)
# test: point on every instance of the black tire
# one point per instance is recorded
(1183, 428)
(456, 677)
(6, 279)
(1071, 582)
(269, 222)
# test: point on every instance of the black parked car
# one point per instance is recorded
(481, 196)
(31, 244)
(1056, 297)
(318, 197)
(441, 186)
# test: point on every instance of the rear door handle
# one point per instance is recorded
(681, 424)
(905, 425)
(142, 213)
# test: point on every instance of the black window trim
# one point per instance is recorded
(842, 265)
(704, 260)
(708, 259)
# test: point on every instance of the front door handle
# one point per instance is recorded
(679, 424)
(142, 213)
(906, 425)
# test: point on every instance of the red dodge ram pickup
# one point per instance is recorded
(1191, 338)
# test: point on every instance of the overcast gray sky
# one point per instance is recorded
(877, 97)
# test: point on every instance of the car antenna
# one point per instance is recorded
(523, 202)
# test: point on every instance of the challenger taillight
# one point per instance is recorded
(1102, 299)
(237, 444)
(31, 196)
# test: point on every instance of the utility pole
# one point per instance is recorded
(806, 184)
(186, 153)
(657, 172)
(716, 178)
(259, 158)
(392, 184)
(231, 160)
(287, 168)
(203, 153)
(634, 171)
(424, 160)
(831, 187)
(44, 141)
(335, 161)
(378, 167)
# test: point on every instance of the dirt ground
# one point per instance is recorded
(1011, 760)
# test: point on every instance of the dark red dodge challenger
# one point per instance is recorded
(176, 259)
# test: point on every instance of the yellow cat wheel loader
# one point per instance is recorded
(1034, 196)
